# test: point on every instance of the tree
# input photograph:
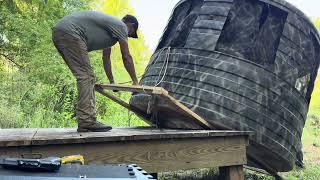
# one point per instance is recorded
(36, 87)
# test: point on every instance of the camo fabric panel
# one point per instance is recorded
(207, 28)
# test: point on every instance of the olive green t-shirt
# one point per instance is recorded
(98, 30)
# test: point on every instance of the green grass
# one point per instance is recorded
(203, 174)
(310, 172)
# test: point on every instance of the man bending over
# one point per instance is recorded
(79, 33)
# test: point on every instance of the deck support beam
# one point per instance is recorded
(231, 173)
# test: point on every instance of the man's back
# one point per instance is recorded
(98, 30)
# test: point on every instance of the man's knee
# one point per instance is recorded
(89, 78)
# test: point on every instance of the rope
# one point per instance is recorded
(165, 64)
(164, 67)
(158, 82)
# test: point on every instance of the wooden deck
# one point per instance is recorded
(155, 150)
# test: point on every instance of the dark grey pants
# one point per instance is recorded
(74, 52)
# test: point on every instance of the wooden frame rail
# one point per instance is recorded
(157, 92)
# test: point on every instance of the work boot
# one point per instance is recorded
(96, 127)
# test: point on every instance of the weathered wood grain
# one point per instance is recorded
(163, 95)
(156, 150)
(159, 156)
(137, 89)
(14, 137)
(184, 110)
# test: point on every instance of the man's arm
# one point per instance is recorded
(128, 62)
(107, 64)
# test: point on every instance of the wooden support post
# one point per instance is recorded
(231, 173)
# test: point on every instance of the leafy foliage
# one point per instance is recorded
(36, 88)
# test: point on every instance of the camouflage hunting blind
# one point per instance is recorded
(244, 64)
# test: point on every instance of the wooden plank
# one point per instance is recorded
(16, 151)
(137, 89)
(16, 137)
(164, 95)
(124, 104)
(156, 150)
(231, 173)
(158, 155)
(71, 136)
(184, 110)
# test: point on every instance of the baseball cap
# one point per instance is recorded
(131, 19)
